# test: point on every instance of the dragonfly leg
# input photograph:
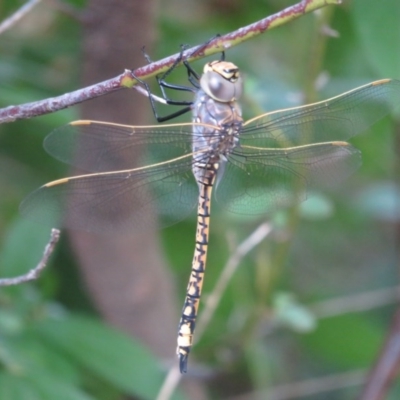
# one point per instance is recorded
(193, 78)
(163, 85)
(153, 105)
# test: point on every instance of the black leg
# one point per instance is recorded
(191, 72)
(165, 85)
(193, 78)
(168, 101)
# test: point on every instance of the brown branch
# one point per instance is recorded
(213, 299)
(127, 80)
(34, 273)
(386, 367)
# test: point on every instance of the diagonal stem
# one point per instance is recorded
(260, 233)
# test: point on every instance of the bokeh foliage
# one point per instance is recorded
(339, 243)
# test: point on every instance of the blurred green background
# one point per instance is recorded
(286, 315)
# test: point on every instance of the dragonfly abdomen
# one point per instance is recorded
(195, 285)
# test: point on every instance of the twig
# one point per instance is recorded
(386, 367)
(211, 303)
(323, 309)
(127, 80)
(21, 12)
(35, 272)
(355, 303)
(308, 387)
(213, 299)
(170, 383)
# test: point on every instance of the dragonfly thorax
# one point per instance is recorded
(218, 137)
(222, 81)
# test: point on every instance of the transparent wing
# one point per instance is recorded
(102, 147)
(338, 118)
(258, 180)
(117, 202)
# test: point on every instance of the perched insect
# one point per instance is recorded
(142, 174)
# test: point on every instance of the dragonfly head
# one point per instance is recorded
(222, 81)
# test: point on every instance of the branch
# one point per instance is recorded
(20, 13)
(308, 387)
(355, 303)
(213, 299)
(127, 80)
(386, 367)
(211, 302)
(34, 273)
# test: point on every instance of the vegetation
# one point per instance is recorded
(312, 303)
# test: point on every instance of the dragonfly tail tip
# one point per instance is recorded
(183, 359)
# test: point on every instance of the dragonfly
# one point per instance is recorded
(140, 175)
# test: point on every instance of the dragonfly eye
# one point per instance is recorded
(221, 80)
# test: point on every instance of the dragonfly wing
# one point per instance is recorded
(116, 202)
(258, 180)
(101, 146)
(338, 118)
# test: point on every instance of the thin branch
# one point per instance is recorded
(323, 309)
(355, 303)
(41, 107)
(211, 303)
(20, 13)
(34, 273)
(386, 367)
(308, 387)
(170, 383)
(127, 79)
(316, 55)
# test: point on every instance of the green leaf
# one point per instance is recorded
(22, 248)
(23, 353)
(16, 388)
(349, 341)
(379, 30)
(51, 386)
(289, 312)
(112, 355)
(10, 359)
